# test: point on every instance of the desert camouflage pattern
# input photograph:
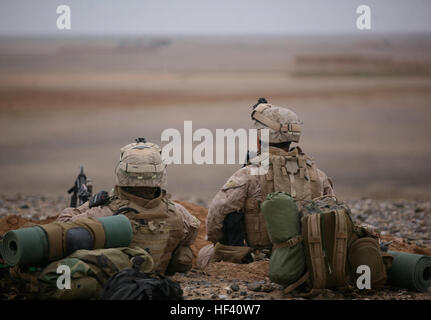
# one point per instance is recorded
(169, 226)
(163, 227)
(243, 191)
(83, 211)
(89, 270)
(277, 120)
(190, 223)
(141, 165)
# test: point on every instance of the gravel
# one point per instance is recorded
(407, 219)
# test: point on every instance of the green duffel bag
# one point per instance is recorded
(89, 270)
(287, 263)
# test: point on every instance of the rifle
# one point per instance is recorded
(82, 189)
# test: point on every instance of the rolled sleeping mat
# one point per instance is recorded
(24, 246)
(65, 238)
(118, 231)
(54, 241)
(410, 271)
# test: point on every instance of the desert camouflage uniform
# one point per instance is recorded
(163, 227)
(289, 171)
(190, 223)
(234, 194)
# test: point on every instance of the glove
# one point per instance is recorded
(98, 199)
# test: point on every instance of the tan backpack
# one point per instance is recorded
(335, 247)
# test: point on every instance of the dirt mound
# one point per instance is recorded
(403, 245)
(15, 221)
(256, 271)
(200, 213)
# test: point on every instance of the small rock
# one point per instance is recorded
(12, 220)
(24, 206)
(362, 217)
(243, 293)
(3, 212)
(267, 288)
(234, 287)
(223, 296)
(214, 296)
(254, 286)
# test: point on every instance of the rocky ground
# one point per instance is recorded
(406, 223)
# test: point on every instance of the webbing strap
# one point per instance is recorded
(340, 248)
(97, 230)
(316, 252)
(314, 182)
(289, 243)
(54, 233)
(144, 168)
(292, 185)
(296, 284)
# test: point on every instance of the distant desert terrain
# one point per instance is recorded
(365, 104)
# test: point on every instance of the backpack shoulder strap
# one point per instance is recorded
(340, 248)
(316, 252)
(296, 284)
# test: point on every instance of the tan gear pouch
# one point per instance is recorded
(233, 254)
(366, 251)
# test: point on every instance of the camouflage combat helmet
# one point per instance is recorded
(283, 124)
(141, 165)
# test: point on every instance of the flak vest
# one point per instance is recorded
(292, 172)
(156, 225)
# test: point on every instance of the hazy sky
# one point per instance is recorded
(215, 17)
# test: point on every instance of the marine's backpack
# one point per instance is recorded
(335, 247)
(287, 263)
(132, 284)
(324, 249)
(89, 270)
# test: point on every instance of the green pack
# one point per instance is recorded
(287, 263)
(89, 270)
